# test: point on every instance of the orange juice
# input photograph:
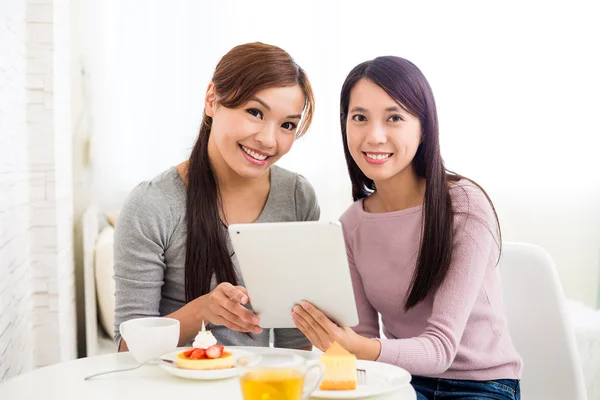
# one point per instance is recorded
(272, 384)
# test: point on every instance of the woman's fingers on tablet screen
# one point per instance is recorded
(245, 316)
(232, 326)
(303, 326)
(227, 304)
(234, 293)
(314, 331)
(242, 289)
(238, 322)
(318, 316)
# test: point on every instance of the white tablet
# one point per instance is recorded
(284, 263)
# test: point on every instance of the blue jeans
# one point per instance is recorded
(448, 389)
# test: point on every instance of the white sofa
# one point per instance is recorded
(105, 284)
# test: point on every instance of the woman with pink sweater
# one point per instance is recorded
(423, 244)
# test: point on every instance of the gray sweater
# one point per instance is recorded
(150, 247)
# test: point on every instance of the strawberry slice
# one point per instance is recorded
(188, 353)
(214, 351)
(198, 354)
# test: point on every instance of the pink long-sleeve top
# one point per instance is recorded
(458, 332)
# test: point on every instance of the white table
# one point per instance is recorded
(64, 381)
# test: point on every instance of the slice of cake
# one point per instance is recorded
(340, 369)
(205, 359)
(205, 354)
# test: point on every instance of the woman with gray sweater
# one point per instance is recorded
(173, 256)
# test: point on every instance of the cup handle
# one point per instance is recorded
(310, 388)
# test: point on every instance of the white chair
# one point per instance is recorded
(539, 324)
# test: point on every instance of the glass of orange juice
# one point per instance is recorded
(281, 382)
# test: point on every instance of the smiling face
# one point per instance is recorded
(382, 136)
(251, 138)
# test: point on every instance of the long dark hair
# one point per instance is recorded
(243, 71)
(406, 84)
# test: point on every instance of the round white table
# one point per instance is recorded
(64, 381)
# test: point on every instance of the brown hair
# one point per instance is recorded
(243, 71)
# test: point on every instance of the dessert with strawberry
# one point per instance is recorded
(205, 354)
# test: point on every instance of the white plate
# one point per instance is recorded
(206, 375)
(381, 378)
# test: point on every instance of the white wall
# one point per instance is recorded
(63, 171)
(16, 290)
(37, 315)
(516, 87)
(49, 143)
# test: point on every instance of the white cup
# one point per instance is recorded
(150, 338)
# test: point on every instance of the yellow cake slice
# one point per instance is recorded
(224, 362)
(215, 357)
(340, 369)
